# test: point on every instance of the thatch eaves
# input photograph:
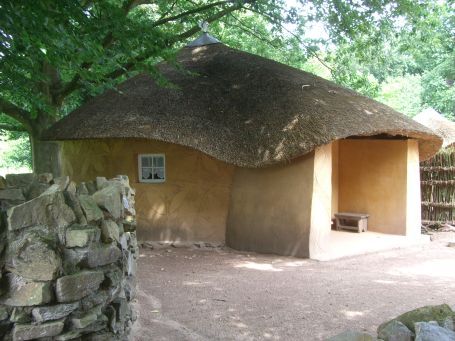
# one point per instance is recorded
(239, 108)
(443, 127)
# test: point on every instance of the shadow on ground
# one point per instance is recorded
(221, 294)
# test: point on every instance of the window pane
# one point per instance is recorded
(146, 161)
(146, 173)
(158, 161)
(158, 173)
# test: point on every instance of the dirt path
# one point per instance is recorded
(189, 294)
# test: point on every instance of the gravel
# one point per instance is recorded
(221, 294)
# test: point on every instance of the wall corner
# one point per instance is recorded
(413, 196)
(321, 203)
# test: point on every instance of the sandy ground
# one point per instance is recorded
(221, 294)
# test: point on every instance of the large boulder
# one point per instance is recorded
(36, 189)
(73, 259)
(99, 255)
(95, 299)
(49, 210)
(2, 182)
(394, 331)
(3, 313)
(424, 314)
(90, 208)
(109, 231)
(62, 182)
(22, 292)
(12, 194)
(37, 331)
(45, 178)
(431, 332)
(33, 255)
(72, 201)
(20, 180)
(74, 287)
(80, 321)
(80, 236)
(53, 312)
(81, 189)
(109, 199)
(101, 181)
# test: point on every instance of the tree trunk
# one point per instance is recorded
(45, 156)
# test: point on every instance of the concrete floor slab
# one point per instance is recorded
(342, 244)
(187, 294)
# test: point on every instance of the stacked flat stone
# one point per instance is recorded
(69, 258)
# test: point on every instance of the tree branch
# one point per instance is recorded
(17, 113)
(242, 26)
(73, 84)
(275, 20)
(11, 127)
(130, 65)
(184, 14)
(213, 18)
(171, 8)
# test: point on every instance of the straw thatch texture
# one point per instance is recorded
(239, 108)
(439, 124)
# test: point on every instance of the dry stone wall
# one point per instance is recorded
(68, 258)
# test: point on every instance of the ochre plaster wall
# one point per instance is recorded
(373, 179)
(321, 204)
(191, 205)
(270, 208)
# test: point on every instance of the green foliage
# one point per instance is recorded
(55, 55)
(15, 153)
(410, 66)
(439, 89)
(403, 93)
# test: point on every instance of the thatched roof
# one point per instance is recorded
(239, 108)
(445, 128)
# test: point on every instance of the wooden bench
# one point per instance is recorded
(352, 221)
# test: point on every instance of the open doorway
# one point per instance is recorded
(378, 176)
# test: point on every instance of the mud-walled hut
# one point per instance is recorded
(248, 151)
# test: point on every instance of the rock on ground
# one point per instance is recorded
(436, 313)
(430, 332)
(394, 331)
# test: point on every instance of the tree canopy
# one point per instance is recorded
(413, 62)
(55, 55)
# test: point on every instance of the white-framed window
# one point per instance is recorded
(152, 168)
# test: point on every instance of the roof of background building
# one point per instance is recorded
(439, 124)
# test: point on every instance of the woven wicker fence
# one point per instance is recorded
(437, 177)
